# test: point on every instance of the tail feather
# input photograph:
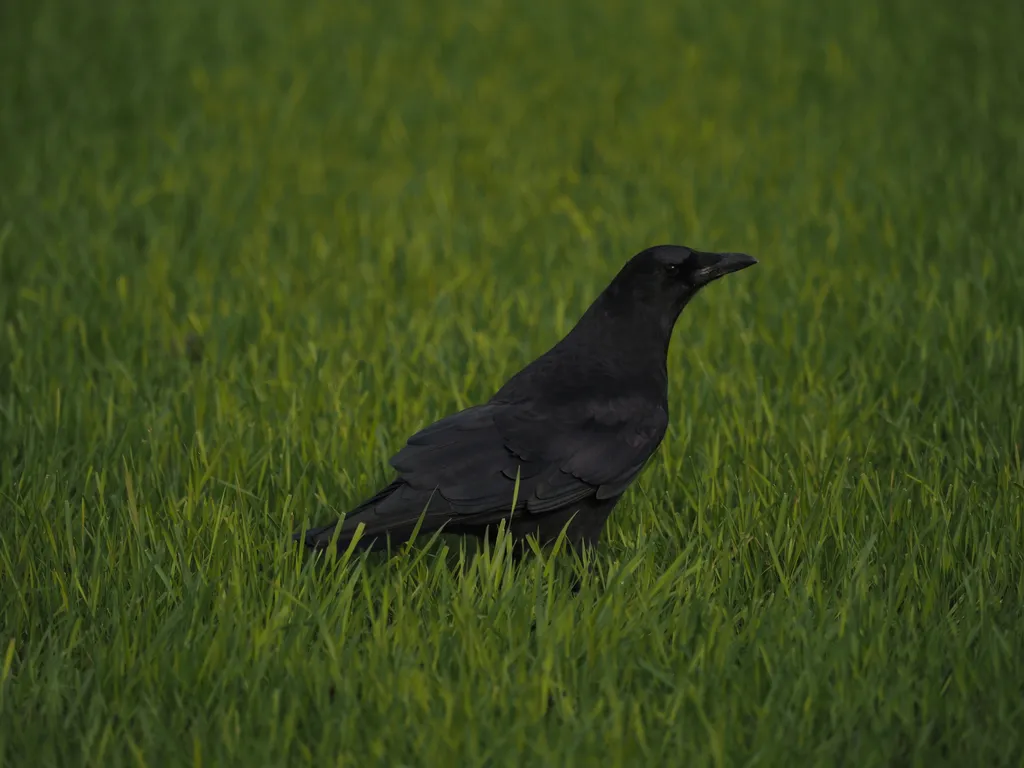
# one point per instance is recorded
(316, 538)
(391, 514)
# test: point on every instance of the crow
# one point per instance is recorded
(562, 439)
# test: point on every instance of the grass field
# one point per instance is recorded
(247, 248)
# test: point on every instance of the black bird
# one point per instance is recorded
(565, 436)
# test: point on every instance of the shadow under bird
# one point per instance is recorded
(573, 428)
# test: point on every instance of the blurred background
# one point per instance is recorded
(247, 247)
(321, 199)
(308, 181)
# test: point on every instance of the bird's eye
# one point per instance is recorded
(673, 270)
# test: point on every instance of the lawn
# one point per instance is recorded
(247, 248)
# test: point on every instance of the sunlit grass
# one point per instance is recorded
(246, 249)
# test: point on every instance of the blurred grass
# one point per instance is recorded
(246, 249)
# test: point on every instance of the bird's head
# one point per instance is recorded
(665, 277)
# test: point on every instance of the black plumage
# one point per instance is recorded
(574, 428)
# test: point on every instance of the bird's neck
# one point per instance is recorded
(637, 327)
(605, 355)
(610, 351)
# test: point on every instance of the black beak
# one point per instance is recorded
(718, 265)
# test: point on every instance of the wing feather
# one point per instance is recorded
(472, 458)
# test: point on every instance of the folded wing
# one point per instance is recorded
(472, 458)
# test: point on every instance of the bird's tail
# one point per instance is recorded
(378, 529)
(373, 540)
(318, 538)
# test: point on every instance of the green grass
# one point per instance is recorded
(247, 248)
